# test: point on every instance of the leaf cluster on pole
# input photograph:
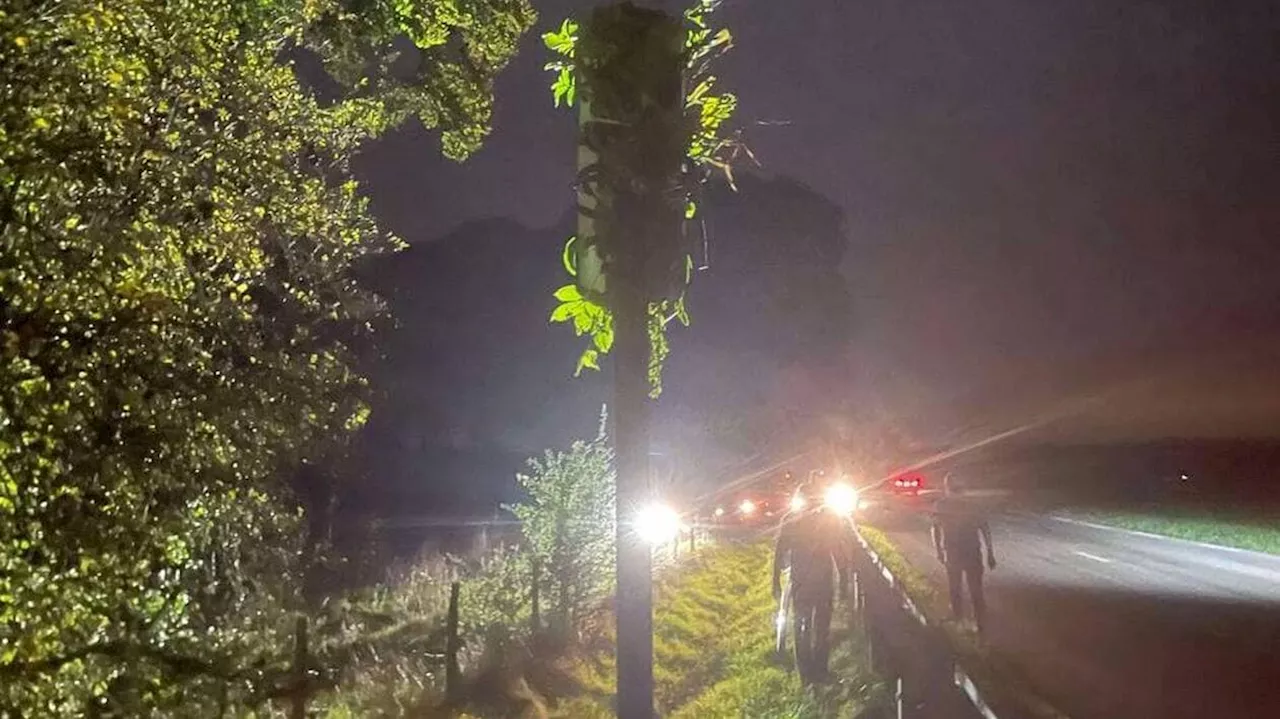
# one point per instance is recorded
(708, 148)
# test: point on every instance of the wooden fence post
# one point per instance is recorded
(900, 699)
(301, 660)
(452, 673)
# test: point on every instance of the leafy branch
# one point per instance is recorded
(563, 42)
(589, 318)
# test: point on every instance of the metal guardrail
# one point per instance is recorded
(971, 691)
(783, 616)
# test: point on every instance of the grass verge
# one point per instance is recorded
(1257, 534)
(1000, 682)
(713, 645)
(914, 582)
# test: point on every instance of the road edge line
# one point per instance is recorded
(1094, 557)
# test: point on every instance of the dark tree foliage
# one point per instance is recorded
(177, 228)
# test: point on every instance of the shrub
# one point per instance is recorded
(494, 604)
(568, 524)
(385, 645)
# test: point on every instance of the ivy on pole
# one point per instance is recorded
(709, 149)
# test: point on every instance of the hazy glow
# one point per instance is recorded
(747, 507)
(797, 502)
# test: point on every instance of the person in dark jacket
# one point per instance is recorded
(815, 544)
(959, 532)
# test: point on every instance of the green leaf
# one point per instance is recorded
(568, 293)
(562, 41)
(590, 359)
(603, 338)
(563, 312)
(568, 258)
(564, 87)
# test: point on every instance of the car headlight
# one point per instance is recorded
(657, 524)
(841, 498)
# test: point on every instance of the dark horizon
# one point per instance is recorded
(1035, 210)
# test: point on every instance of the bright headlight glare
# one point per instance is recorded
(657, 524)
(841, 498)
(797, 502)
(747, 507)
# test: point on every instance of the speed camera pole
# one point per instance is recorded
(634, 604)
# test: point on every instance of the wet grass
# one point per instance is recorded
(914, 582)
(1255, 533)
(713, 646)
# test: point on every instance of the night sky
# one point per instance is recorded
(1038, 201)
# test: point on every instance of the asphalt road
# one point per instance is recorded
(1114, 625)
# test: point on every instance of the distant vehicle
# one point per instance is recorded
(764, 502)
(911, 484)
(908, 490)
(755, 508)
(759, 505)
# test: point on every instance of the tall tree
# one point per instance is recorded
(177, 227)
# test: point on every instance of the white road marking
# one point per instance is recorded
(1161, 537)
(1094, 557)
